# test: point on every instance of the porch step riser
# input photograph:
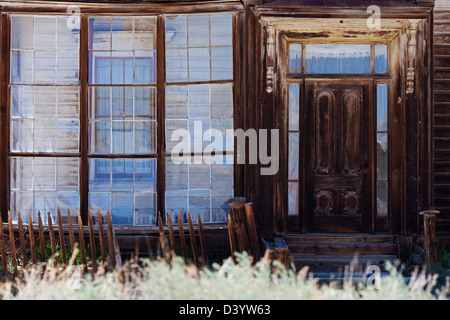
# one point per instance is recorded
(342, 265)
(338, 239)
(337, 253)
(343, 249)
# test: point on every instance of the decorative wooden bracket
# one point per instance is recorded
(412, 47)
(270, 56)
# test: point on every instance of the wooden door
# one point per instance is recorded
(339, 158)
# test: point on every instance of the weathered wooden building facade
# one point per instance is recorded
(353, 95)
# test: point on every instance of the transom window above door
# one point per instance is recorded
(338, 58)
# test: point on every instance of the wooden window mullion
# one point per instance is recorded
(84, 120)
(160, 115)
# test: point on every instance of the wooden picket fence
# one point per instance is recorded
(167, 251)
(56, 236)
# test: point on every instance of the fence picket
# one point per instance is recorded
(52, 236)
(162, 239)
(12, 243)
(92, 241)
(81, 239)
(111, 240)
(22, 242)
(100, 237)
(62, 241)
(71, 236)
(32, 241)
(41, 238)
(193, 241)
(171, 233)
(232, 239)
(202, 240)
(182, 237)
(3, 248)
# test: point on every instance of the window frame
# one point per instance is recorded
(89, 10)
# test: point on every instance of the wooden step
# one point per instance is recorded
(344, 249)
(333, 253)
(333, 264)
(337, 238)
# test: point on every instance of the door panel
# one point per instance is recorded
(339, 113)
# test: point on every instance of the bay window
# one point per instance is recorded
(86, 132)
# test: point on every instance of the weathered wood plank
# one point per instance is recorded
(252, 233)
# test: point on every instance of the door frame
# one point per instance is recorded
(304, 223)
(409, 97)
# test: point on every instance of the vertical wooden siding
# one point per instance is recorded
(441, 84)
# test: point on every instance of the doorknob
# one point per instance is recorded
(366, 166)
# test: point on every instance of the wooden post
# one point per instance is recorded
(429, 230)
(237, 209)
(182, 237)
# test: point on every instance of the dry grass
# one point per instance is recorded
(155, 280)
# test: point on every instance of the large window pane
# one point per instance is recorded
(199, 185)
(43, 50)
(199, 48)
(382, 150)
(197, 109)
(295, 58)
(122, 50)
(126, 187)
(338, 58)
(122, 120)
(44, 184)
(44, 119)
(381, 58)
